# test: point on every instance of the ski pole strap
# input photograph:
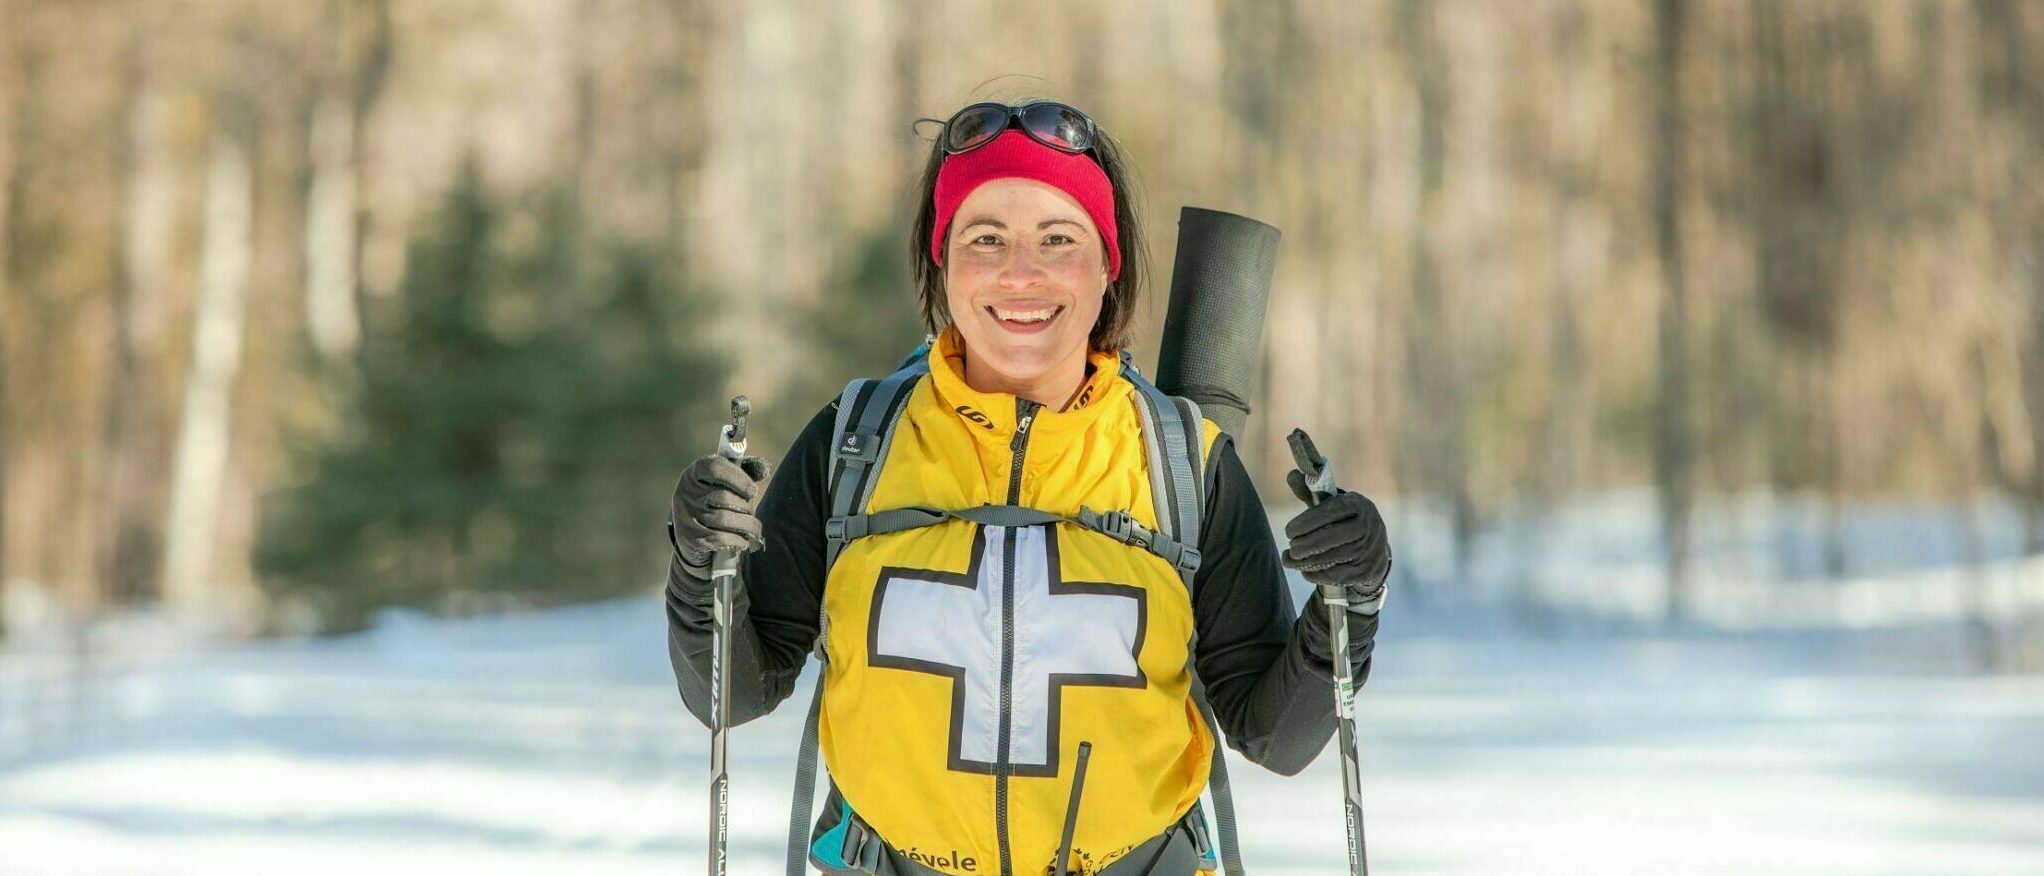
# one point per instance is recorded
(1117, 525)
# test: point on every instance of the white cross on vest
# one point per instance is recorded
(1063, 634)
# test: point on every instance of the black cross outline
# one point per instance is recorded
(955, 760)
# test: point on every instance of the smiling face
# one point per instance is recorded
(1024, 275)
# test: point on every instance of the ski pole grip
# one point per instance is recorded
(1318, 473)
(731, 446)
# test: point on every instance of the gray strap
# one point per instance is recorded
(857, 526)
(1191, 469)
(1117, 525)
(1173, 451)
(1173, 435)
(1005, 515)
(841, 481)
(1153, 450)
(862, 446)
(843, 423)
(843, 478)
(845, 469)
(1217, 779)
(1172, 428)
(805, 788)
(855, 460)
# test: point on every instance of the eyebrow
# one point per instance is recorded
(989, 220)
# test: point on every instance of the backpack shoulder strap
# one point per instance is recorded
(867, 413)
(866, 416)
(1174, 439)
(1174, 444)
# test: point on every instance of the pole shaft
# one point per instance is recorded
(1320, 486)
(723, 581)
(723, 572)
(1345, 726)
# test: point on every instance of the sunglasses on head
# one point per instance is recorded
(1053, 124)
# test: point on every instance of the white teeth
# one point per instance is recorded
(1025, 315)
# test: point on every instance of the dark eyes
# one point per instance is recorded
(1048, 240)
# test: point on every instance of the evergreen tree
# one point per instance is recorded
(510, 442)
(864, 324)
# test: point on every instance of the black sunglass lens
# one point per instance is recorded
(1058, 125)
(973, 126)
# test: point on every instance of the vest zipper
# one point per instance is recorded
(1025, 415)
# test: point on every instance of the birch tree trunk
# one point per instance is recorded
(2014, 85)
(200, 465)
(1433, 366)
(130, 442)
(696, 28)
(9, 196)
(1672, 437)
(19, 116)
(330, 313)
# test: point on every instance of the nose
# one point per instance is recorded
(1020, 270)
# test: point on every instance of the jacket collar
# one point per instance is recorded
(992, 414)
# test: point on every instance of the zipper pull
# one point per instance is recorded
(1025, 415)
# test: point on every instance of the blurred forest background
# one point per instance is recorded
(312, 308)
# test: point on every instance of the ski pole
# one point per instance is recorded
(1320, 486)
(723, 572)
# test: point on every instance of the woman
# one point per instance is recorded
(968, 660)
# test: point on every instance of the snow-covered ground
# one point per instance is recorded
(553, 742)
(1759, 563)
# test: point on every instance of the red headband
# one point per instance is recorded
(1014, 154)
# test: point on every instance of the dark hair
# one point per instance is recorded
(1117, 308)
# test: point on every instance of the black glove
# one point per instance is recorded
(713, 510)
(1340, 542)
(1339, 545)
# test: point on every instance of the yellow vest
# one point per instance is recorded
(966, 663)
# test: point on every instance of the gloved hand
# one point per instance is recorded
(1340, 542)
(1339, 545)
(713, 510)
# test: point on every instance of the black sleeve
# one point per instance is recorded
(781, 593)
(1265, 668)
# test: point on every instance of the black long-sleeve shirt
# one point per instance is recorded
(1265, 668)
